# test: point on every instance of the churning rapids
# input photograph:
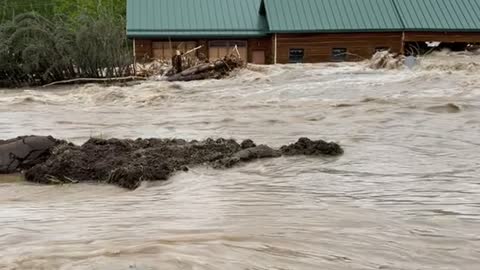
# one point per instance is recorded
(405, 195)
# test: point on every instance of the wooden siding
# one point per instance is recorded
(203, 52)
(442, 36)
(143, 49)
(218, 48)
(165, 49)
(318, 47)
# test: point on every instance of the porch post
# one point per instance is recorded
(275, 48)
(402, 46)
(134, 58)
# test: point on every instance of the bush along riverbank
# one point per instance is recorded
(126, 163)
(35, 50)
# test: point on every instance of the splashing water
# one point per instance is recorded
(405, 195)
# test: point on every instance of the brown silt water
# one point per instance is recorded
(404, 195)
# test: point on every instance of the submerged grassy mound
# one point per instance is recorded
(127, 163)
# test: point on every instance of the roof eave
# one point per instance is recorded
(160, 35)
(442, 30)
(317, 31)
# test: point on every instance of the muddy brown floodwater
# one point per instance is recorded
(405, 195)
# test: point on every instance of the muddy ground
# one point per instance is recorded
(127, 163)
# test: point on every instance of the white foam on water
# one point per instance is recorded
(405, 194)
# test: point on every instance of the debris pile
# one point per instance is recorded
(386, 60)
(153, 68)
(188, 67)
(211, 70)
(127, 163)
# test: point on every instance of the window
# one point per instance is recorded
(339, 54)
(295, 55)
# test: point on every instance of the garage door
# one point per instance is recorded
(165, 50)
(258, 57)
(220, 48)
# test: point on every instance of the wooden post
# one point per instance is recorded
(402, 46)
(134, 58)
(275, 49)
(193, 50)
(171, 49)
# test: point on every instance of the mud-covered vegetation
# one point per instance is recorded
(63, 41)
(126, 163)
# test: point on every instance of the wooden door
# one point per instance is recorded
(258, 57)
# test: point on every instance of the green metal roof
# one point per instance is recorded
(294, 16)
(439, 15)
(249, 18)
(188, 18)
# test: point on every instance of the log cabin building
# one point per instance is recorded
(296, 31)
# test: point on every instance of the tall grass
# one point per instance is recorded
(35, 50)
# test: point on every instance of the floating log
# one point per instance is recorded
(198, 69)
(95, 80)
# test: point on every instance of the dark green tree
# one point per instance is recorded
(37, 50)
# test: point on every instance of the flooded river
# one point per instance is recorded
(405, 195)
